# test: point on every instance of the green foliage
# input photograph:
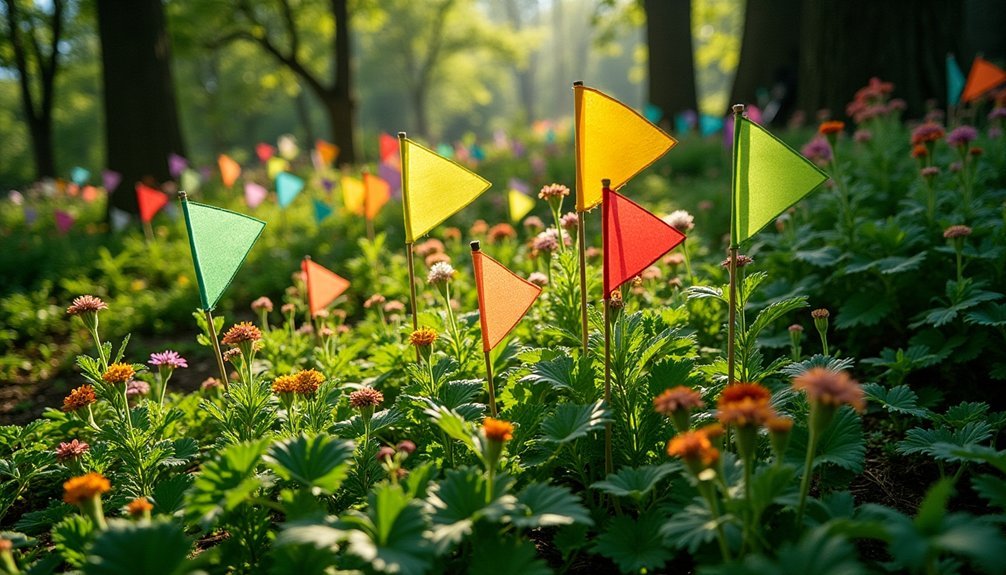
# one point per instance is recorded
(319, 463)
(389, 535)
(634, 544)
(158, 548)
(225, 482)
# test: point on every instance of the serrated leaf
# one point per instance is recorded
(224, 482)
(690, 528)
(862, 309)
(817, 360)
(454, 425)
(71, 536)
(543, 505)
(841, 444)
(501, 555)
(636, 482)
(900, 399)
(390, 535)
(571, 422)
(991, 489)
(320, 462)
(772, 313)
(309, 549)
(169, 494)
(634, 544)
(127, 548)
(461, 500)
(991, 315)
(354, 427)
(927, 441)
(184, 450)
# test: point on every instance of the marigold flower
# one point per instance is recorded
(677, 398)
(118, 373)
(242, 332)
(919, 151)
(831, 127)
(423, 337)
(779, 424)
(695, 449)
(479, 227)
(71, 450)
(501, 232)
(440, 273)
(497, 429)
(308, 381)
(231, 354)
(139, 507)
(79, 489)
(713, 430)
(86, 304)
(539, 279)
(795, 328)
(453, 234)
(830, 388)
(262, 304)
(820, 313)
(168, 358)
(79, 398)
(927, 133)
(741, 391)
(553, 191)
(744, 404)
(285, 384)
(680, 220)
(365, 397)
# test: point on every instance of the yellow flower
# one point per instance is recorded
(118, 373)
(79, 489)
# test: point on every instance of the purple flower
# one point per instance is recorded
(999, 112)
(962, 136)
(817, 150)
(168, 358)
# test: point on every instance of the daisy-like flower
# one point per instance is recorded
(539, 279)
(695, 449)
(957, 231)
(569, 221)
(440, 273)
(677, 404)
(423, 337)
(553, 191)
(830, 388)
(118, 373)
(680, 220)
(71, 450)
(927, 133)
(139, 508)
(262, 304)
(85, 487)
(962, 136)
(366, 397)
(501, 232)
(169, 359)
(86, 304)
(136, 388)
(241, 333)
(79, 398)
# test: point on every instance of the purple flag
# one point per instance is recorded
(110, 179)
(391, 175)
(176, 165)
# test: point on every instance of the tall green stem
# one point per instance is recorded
(808, 465)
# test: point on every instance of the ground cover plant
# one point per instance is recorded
(860, 435)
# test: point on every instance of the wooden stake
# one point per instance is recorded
(477, 264)
(732, 315)
(412, 292)
(608, 455)
(408, 244)
(582, 247)
(148, 231)
(366, 206)
(216, 350)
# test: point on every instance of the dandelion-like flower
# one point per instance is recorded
(79, 398)
(539, 279)
(86, 304)
(136, 388)
(68, 451)
(497, 429)
(167, 358)
(830, 388)
(365, 397)
(241, 333)
(553, 191)
(680, 220)
(374, 300)
(423, 337)
(262, 304)
(80, 489)
(957, 231)
(440, 273)
(118, 373)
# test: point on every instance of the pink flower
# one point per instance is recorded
(817, 150)
(136, 388)
(169, 359)
(72, 450)
(962, 136)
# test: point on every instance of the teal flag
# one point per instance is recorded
(287, 188)
(955, 81)
(220, 241)
(321, 211)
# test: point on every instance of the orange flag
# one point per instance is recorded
(327, 151)
(229, 169)
(354, 195)
(323, 285)
(150, 200)
(378, 192)
(984, 76)
(633, 239)
(504, 297)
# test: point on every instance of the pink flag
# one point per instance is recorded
(64, 221)
(254, 194)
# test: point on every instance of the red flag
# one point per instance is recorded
(150, 200)
(323, 285)
(983, 76)
(633, 239)
(504, 298)
(389, 148)
(264, 151)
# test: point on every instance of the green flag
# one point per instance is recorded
(769, 177)
(220, 241)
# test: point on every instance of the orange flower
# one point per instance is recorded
(79, 398)
(740, 391)
(744, 404)
(677, 398)
(830, 388)
(423, 337)
(139, 507)
(285, 384)
(832, 127)
(240, 333)
(497, 429)
(779, 424)
(919, 151)
(308, 381)
(118, 373)
(694, 448)
(79, 489)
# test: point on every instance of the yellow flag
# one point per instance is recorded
(520, 205)
(433, 188)
(275, 165)
(352, 195)
(613, 142)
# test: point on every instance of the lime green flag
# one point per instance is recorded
(220, 241)
(769, 177)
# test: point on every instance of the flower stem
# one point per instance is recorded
(808, 465)
(721, 536)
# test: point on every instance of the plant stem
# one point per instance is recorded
(807, 471)
(721, 536)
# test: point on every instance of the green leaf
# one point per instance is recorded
(966, 535)
(841, 444)
(933, 508)
(771, 483)
(505, 555)
(571, 422)
(542, 505)
(820, 553)
(863, 309)
(772, 313)
(308, 549)
(900, 399)
(634, 544)
(390, 535)
(636, 482)
(691, 527)
(991, 489)
(926, 441)
(127, 548)
(354, 427)
(169, 494)
(183, 451)
(991, 315)
(320, 462)
(225, 482)
(71, 536)
(454, 425)
(461, 500)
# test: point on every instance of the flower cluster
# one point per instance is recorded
(79, 398)
(423, 337)
(305, 382)
(553, 191)
(497, 429)
(830, 388)
(169, 359)
(440, 273)
(695, 448)
(366, 397)
(72, 450)
(86, 304)
(241, 333)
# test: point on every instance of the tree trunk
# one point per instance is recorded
(419, 108)
(141, 119)
(525, 75)
(670, 63)
(342, 107)
(834, 62)
(42, 146)
(769, 58)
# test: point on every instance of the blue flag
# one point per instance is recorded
(321, 211)
(955, 81)
(287, 188)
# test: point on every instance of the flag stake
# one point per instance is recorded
(412, 291)
(608, 463)
(148, 231)
(366, 206)
(582, 248)
(732, 321)
(408, 245)
(485, 352)
(216, 350)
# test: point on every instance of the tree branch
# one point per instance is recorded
(20, 59)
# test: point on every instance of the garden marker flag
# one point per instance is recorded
(433, 188)
(321, 211)
(955, 81)
(264, 151)
(323, 285)
(769, 177)
(288, 186)
(389, 149)
(150, 201)
(110, 180)
(378, 192)
(613, 141)
(520, 205)
(504, 298)
(220, 241)
(275, 165)
(633, 239)
(176, 165)
(255, 194)
(352, 194)
(64, 221)
(984, 76)
(327, 151)
(229, 169)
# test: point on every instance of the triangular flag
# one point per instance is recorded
(110, 180)
(393, 176)
(176, 165)
(80, 176)
(287, 188)
(709, 125)
(150, 201)
(520, 205)
(389, 148)
(955, 81)
(190, 181)
(120, 218)
(327, 151)
(613, 142)
(769, 177)
(229, 169)
(220, 241)
(276, 165)
(287, 145)
(633, 239)
(352, 194)
(323, 285)
(255, 194)
(433, 189)
(64, 221)
(504, 298)
(264, 151)
(89, 193)
(984, 76)
(378, 193)
(321, 211)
